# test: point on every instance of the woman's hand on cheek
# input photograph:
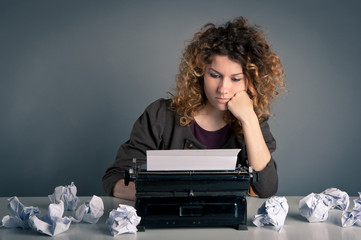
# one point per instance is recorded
(241, 106)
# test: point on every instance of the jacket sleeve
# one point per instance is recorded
(268, 183)
(145, 135)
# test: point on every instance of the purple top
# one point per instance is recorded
(211, 139)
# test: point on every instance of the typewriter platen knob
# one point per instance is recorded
(129, 176)
(254, 176)
(250, 170)
(126, 178)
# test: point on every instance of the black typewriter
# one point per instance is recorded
(192, 198)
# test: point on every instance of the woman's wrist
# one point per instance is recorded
(249, 119)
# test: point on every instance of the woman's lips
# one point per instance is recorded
(222, 100)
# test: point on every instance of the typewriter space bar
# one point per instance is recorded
(190, 211)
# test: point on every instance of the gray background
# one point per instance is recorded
(75, 75)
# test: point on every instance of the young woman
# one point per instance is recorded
(227, 80)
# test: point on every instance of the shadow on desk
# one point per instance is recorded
(296, 216)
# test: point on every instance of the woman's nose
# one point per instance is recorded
(223, 86)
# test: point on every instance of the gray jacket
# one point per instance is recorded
(159, 128)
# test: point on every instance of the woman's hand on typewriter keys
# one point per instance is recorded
(124, 192)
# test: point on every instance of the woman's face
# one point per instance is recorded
(223, 78)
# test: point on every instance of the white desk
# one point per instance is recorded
(296, 227)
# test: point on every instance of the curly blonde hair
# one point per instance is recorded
(242, 43)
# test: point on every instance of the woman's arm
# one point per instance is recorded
(257, 150)
(124, 192)
(259, 144)
(241, 107)
(145, 135)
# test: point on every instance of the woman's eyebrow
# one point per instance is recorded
(222, 74)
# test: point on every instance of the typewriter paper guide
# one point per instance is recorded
(192, 160)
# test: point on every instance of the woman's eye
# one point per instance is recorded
(214, 75)
(237, 79)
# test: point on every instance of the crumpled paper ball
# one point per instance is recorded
(354, 217)
(339, 199)
(21, 214)
(53, 223)
(124, 219)
(273, 211)
(315, 207)
(67, 195)
(89, 211)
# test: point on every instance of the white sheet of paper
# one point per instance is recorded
(188, 160)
